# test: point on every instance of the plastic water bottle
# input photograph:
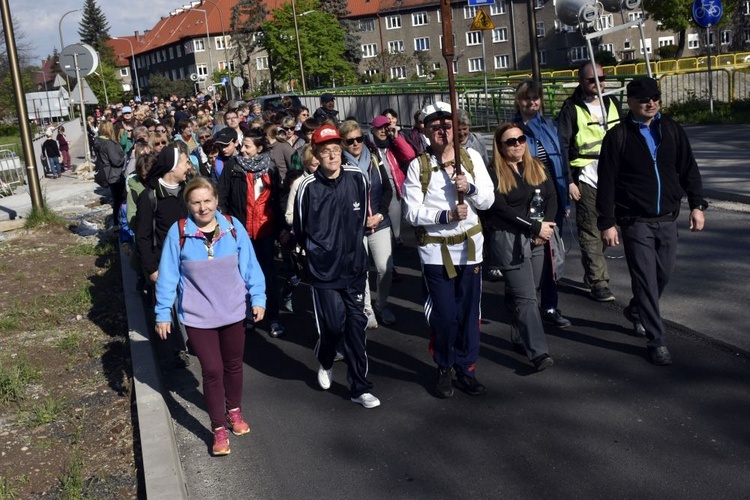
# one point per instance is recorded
(536, 209)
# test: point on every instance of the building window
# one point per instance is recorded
(502, 62)
(499, 35)
(223, 42)
(178, 51)
(372, 72)
(746, 8)
(542, 57)
(173, 75)
(726, 37)
(202, 69)
(606, 47)
(421, 71)
(223, 65)
(540, 29)
(182, 73)
(579, 53)
(666, 40)
(261, 63)
(626, 45)
(746, 32)
(171, 52)
(473, 38)
(398, 73)
(199, 45)
(648, 45)
(422, 44)
(497, 8)
(607, 21)
(476, 64)
(632, 16)
(419, 19)
(439, 19)
(693, 41)
(470, 11)
(164, 55)
(158, 56)
(369, 50)
(367, 25)
(395, 46)
(455, 67)
(392, 22)
(711, 40)
(123, 71)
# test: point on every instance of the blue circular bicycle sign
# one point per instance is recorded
(707, 13)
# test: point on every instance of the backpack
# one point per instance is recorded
(181, 224)
(425, 170)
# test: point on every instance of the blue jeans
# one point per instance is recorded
(54, 165)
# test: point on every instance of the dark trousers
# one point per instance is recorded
(264, 252)
(521, 285)
(118, 196)
(220, 351)
(452, 309)
(650, 250)
(341, 313)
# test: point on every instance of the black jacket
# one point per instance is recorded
(633, 184)
(329, 222)
(322, 114)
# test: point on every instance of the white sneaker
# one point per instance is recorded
(372, 323)
(367, 400)
(324, 378)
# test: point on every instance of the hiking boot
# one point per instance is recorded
(555, 318)
(236, 423)
(542, 362)
(444, 386)
(276, 330)
(660, 355)
(367, 400)
(470, 385)
(372, 323)
(221, 442)
(325, 377)
(630, 314)
(603, 294)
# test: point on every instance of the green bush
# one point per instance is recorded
(8, 130)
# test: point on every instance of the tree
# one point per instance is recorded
(23, 50)
(677, 16)
(105, 76)
(162, 86)
(321, 44)
(340, 9)
(94, 29)
(247, 16)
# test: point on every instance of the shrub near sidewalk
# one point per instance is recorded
(66, 419)
(696, 111)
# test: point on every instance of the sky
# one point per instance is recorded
(40, 23)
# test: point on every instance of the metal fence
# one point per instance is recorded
(11, 169)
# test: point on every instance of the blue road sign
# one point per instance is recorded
(225, 80)
(481, 2)
(706, 13)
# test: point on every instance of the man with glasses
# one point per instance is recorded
(232, 119)
(581, 128)
(330, 213)
(646, 165)
(450, 247)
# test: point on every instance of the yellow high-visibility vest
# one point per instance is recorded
(590, 134)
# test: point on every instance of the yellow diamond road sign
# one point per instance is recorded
(482, 21)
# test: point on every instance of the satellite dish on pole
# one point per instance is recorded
(88, 60)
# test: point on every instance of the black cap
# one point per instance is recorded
(225, 136)
(642, 88)
(326, 98)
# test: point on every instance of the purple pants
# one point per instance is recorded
(220, 351)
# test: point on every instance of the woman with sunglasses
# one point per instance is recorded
(543, 144)
(378, 223)
(158, 141)
(518, 240)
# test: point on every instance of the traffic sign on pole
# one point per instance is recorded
(473, 3)
(482, 21)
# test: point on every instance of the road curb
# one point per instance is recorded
(162, 468)
(727, 196)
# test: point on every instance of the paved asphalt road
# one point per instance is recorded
(602, 422)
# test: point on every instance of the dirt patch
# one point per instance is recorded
(66, 408)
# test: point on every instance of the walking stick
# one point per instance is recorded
(448, 53)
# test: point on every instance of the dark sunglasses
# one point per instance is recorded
(602, 78)
(444, 127)
(161, 131)
(160, 143)
(350, 142)
(646, 100)
(205, 137)
(514, 141)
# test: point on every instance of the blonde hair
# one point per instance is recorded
(199, 183)
(107, 130)
(307, 155)
(348, 126)
(534, 172)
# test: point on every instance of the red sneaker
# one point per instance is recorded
(237, 423)
(221, 442)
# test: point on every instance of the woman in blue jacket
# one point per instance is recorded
(544, 145)
(208, 260)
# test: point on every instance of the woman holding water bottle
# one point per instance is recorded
(522, 218)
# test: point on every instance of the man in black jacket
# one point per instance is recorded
(646, 163)
(326, 110)
(330, 213)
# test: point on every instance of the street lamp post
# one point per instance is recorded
(208, 46)
(62, 46)
(226, 51)
(299, 48)
(135, 65)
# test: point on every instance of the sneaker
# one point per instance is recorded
(542, 362)
(603, 294)
(325, 377)
(286, 303)
(444, 386)
(339, 357)
(236, 423)
(470, 385)
(367, 400)
(555, 318)
(386, 316)
(630, 315)
(495, 275)
(660, 355)
(372, 323)
(221, 442)
(276, 330)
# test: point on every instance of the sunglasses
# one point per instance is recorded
(515, 141)
(350, 142)
(602, 78)
(160, 143)
(646, 100)
(205, 137)
(161, 131)
(444, 127)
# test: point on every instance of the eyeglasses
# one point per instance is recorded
(330, 151)
(444, 127)
(602, 78)
(205, 137)
(515, 141)
(350, 142)
(161, 131)
(160, 143)
(231, 117)
(646, 100)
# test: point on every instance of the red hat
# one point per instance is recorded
(380, 121)
(325, 133)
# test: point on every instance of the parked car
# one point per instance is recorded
(273, 102)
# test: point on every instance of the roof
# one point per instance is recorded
(45, 74)
(121, 49)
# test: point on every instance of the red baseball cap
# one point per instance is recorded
(325, 133)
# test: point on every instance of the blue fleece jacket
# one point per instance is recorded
(189, 273)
